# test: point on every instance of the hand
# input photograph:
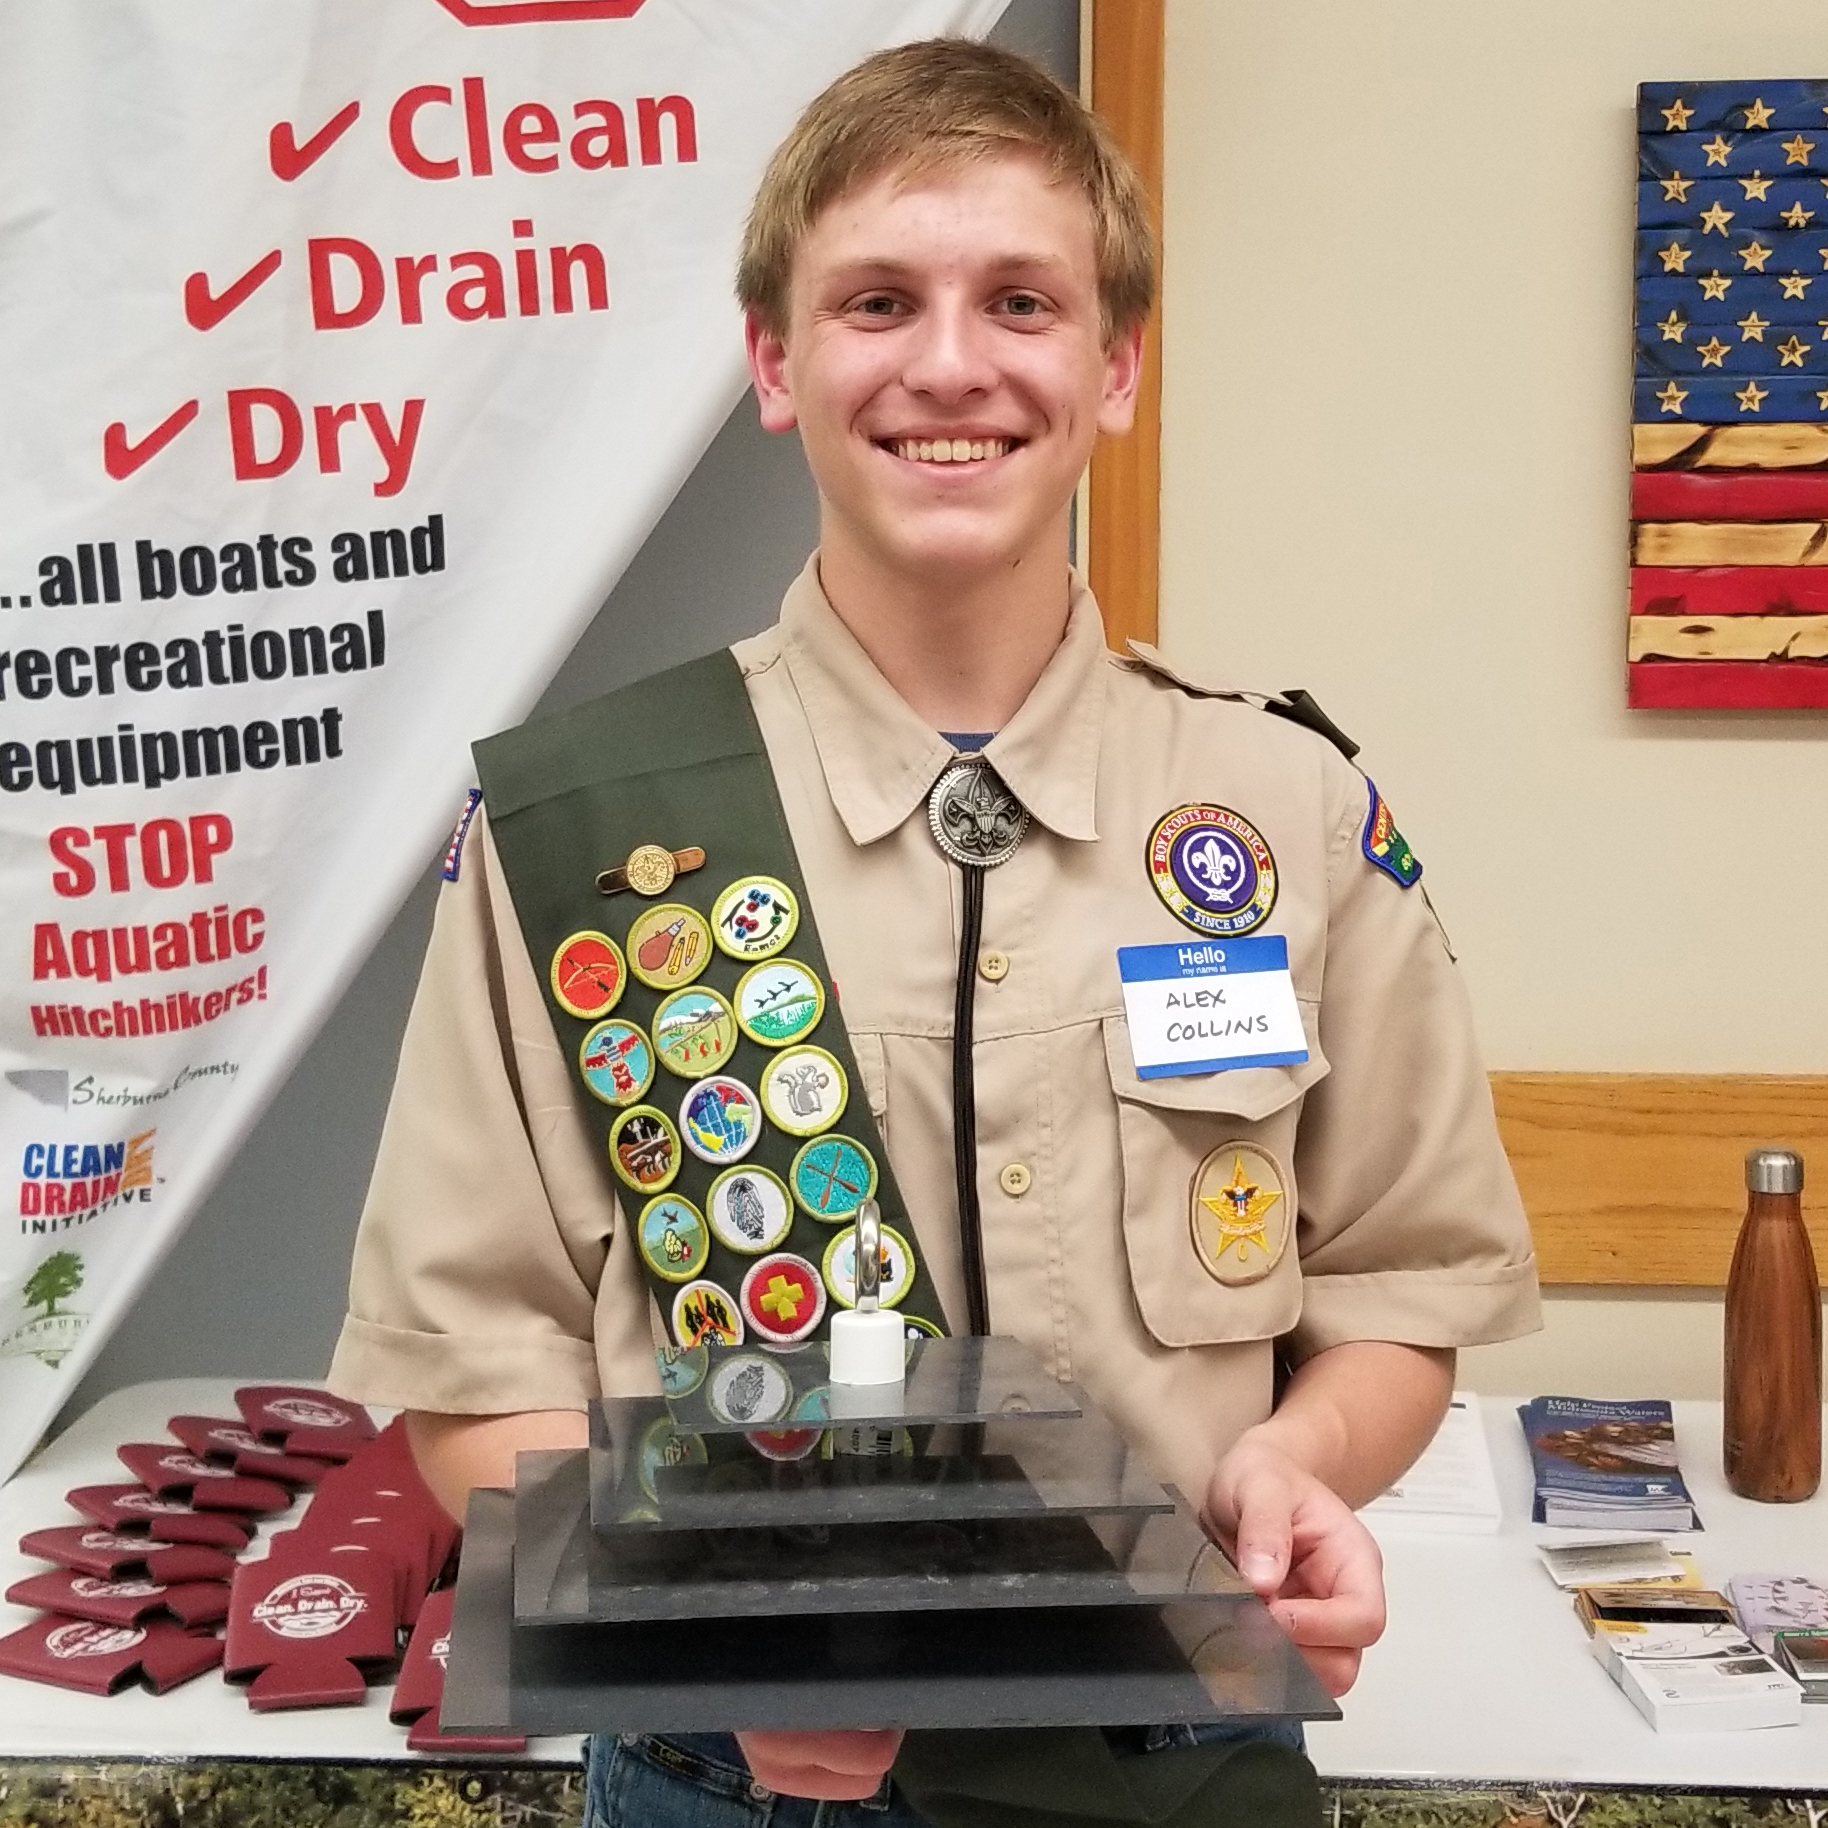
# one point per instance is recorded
(1300, 1546)
(834, 1767)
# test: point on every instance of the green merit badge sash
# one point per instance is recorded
(663, 905)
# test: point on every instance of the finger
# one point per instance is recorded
(1337, 1670)
(1350, 1620)
(834, 1767)
(1265, 1534)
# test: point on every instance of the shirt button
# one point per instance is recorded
(1016, 1179)
(993, 967)
(759, 1792)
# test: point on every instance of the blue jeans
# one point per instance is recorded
(699, 1780)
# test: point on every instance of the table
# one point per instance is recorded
(1482, 1703)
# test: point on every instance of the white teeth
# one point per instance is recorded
(949, 450)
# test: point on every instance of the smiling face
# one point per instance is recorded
(945, 363)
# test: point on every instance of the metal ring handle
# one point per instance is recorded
(869, 1256)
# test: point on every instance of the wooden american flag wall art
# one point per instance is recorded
(1729, 485)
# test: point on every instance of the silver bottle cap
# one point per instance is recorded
(1774, 1171)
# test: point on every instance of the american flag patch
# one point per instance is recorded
(453, 852)
(1729, 486)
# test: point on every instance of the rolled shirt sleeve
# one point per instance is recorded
(491, 1271)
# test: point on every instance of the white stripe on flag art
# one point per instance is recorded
(351, 353)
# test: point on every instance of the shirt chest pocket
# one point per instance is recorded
(1209, 1195)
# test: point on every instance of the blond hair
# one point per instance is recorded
(940, 102)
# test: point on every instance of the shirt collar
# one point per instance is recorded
(879, 756)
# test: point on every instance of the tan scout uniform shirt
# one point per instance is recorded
(493, 1271)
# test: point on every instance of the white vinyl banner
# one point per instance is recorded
(349, 349)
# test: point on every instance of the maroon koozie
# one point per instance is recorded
(428, 1736)
(121, 1602)
(131, 1508)
(103, 1659)
(305, 1421)
(174, 1472)
(419, 1694)
(227, 1440)
(309, 1622)
(90, 1550)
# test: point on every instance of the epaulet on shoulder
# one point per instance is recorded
(1297, 705)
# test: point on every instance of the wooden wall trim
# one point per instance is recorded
(1128, 39)
(1637, 1179)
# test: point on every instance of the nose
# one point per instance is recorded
(949, 354)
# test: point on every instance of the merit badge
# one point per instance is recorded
(1385, 846)
(703, 1315)
(916, 1327)
(694, 1032)
(720, 1120)
(841, 1267)
(682, 1368)
(779, 1002)
(804, 1091)
(748, 1388)
(784, 1444)
(832, 1176)
(1240, 1214)
(973, 816)
(644, 1149)
(663, 1448)
(616, 1061)
(668, 945)
(1212, 869)
(749, 1210)
(675, 1243)
(755, 918)
(588, 973)
(783, 1300)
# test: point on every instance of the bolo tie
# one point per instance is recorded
(978, 824)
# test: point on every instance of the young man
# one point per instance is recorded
(946, 277)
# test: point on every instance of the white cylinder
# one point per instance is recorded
(867, 1348)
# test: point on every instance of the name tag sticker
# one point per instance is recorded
(1209, 1007)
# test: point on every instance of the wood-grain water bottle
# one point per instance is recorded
(1773, 1431)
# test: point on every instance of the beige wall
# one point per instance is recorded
(1397, 315)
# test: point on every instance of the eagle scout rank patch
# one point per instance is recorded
(1385, 846)
(1212, 869)
(588, 975)
(1240, 1214)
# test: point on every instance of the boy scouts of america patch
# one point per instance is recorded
(1240, 1214)
(453, 852)
(1385, 846)
(1212, 869)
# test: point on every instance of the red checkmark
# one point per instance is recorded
(121, 459)
(288, 158)
(206, 312)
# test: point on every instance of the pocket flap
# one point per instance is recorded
(1249, 1092)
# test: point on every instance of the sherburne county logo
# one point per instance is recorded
(49, 1335)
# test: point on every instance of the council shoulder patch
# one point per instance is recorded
(1212, 869)
(1239, 1210)
(1385, 846)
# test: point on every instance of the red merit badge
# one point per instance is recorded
(121, 1602)
(112, 1556)
(783, 1299)
(211, 1438)
(173, 1472)
(307, 1624)
(419, 1693)
(103, 1659)
(588, 975)
(132, 1509)
(305, 1421)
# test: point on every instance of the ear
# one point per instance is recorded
(768, 369)
(1123, 366)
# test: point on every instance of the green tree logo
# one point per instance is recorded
(57, 1278)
